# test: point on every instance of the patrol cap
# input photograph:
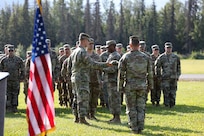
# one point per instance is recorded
(128, 47)
(155, 47)
(10, 47)
(142, 43)
(119, 45)
(97, 46)
(91, 40)
(103, 47)
(110, 42)
(61, 48)
(168, 44)
(29, 53)
(66, 46)
(84, 36)
(47, 40)
(73, 48)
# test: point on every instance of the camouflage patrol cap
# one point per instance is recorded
(91, 40)
(61, 48)
(84, 36)
(128, 47)
(110, 42)
(10, 47)
(103, 47)
(28, 53)
(97, 46)
(155, 47)
(168, 44)
(73, 48)
(47, 40)
(119, 45)
(66, 46)
(142, 43)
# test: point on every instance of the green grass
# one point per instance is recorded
(185, 119)
(192, 66)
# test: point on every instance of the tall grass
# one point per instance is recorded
(185, 119)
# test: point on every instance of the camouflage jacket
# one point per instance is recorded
(55, 64)
(80, 64)
(112, 72)
(135, 70)
(14, 65)
(167, 66)
(153, 58)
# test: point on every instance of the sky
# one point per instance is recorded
(159, 3)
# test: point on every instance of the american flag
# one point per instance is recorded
(40, 101)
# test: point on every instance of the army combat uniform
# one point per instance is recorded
(15, 67)
(168, 70)
(134, 70)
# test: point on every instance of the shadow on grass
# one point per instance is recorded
(149, 129)
(161, 110)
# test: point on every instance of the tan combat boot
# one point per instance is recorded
(82, 120)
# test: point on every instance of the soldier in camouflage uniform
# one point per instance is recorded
(13, 65)
(27, 72)
(60, 52)
(63, 90)
(95, 82)
(55, 63)
(114, 97)
(168, 70)
(79, 64)
(156, 92)
(142, 48)
(119, 47)
(134, 70)
(104, 79)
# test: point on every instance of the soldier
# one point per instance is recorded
(27, 72)
(60, 52)
(104, 79)
(103, 48)
(119, 48)
(14, 65)
(55, 63)
(168, 70)
(79, 64)
(95, 82)
(114, 97)
(62, 84)
(156, 92)
(5, 52)
(134, 70)
(98, 49)
(142, 48)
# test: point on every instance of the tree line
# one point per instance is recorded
(180, 23)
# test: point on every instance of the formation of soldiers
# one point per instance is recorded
(83, 74)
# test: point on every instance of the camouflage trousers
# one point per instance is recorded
(104, 94)
(135, 108)
(156, 92)
(94, 94)
(114, 98)
(169, 88)
(81, 99)
(13, 88)
(25, 91)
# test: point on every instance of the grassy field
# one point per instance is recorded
(185, 119)
(192, 66)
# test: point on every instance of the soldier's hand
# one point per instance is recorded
(109, 64)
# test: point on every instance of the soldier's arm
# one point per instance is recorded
(22, 69)
(158, 67)
(178, 67)
(150, 74)
(64, 68)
